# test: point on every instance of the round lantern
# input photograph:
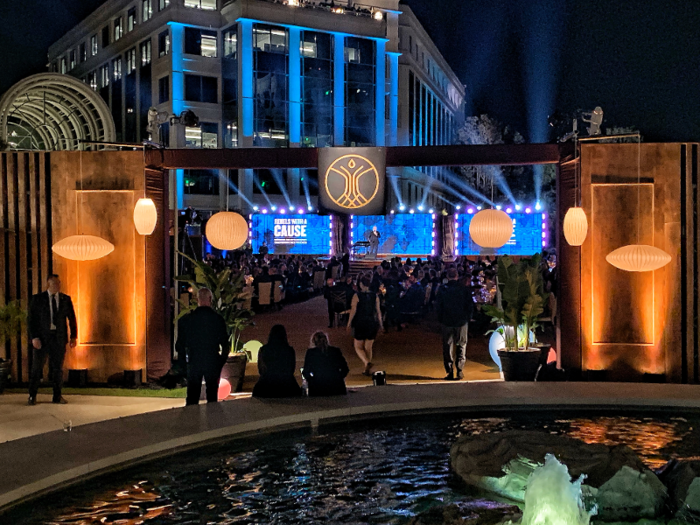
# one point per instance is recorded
(575, 226)
(224, 389)
(638, 258)
(145, 216)
(491, 228)
(227, 230)
(82, 248)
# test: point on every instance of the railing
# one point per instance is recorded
(331, 7)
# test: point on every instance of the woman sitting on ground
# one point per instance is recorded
(325, 368)
(276, 364)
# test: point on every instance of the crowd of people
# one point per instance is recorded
(393, 294)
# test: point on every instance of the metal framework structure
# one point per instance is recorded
(51, 111)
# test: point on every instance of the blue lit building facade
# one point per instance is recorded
(268, 73)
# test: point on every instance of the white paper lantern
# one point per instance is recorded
(145, 216)
(638, 258)
(575, 226)
(227, 230)
(491, 228)
(82, 248)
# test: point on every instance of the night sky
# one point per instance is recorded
(520, 59)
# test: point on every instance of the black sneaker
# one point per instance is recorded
(460, 375)
(449, 377)
(32, 401)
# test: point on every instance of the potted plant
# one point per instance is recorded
(12, 319)
(520, 304)
(229, 300)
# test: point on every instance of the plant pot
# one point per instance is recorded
(234, 371)
(521, 365)
(5, 370)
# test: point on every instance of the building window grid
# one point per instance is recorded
(83, 52)
(231, 43)
(316, 51)
(162, 4)
(360, 86)
(93, 45)
(146, 10)
(207, 5)
(92, 80)
(201, 89)
(72, 59)
(104, 75)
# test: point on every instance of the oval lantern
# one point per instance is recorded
(575, 226)
(227, 230)
(638, 258)
(145, 216)
(82, 248)
(491, 228)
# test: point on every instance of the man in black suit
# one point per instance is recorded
(373, 238)
(455, 306)
(51, 313)
(203, 337)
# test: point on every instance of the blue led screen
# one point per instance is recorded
(304, 234)
(526, 240)
(401, 233)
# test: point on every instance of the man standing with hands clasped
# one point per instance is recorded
(202, 335)
(454, 308)
(51, 313)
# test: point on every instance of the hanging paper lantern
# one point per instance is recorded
(575, 226)
(227, 230)
(491, 228)
(82, 248)
(638, 258)
(145, 216)
(224, 389)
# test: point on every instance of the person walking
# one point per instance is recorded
(325, 368)
(276, 364)
(51, 315)
(454, 309)
(365, 321)
(202, 336)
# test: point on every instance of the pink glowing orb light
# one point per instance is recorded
(224, 389)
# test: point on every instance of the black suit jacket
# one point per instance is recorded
(202, 334)
(40, 318)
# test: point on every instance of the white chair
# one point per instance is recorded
(251, 349)
(264, 294)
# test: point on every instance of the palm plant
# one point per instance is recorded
(522, 295)
(12, 319)
(228, 297)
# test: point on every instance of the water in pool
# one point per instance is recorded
(361, 473)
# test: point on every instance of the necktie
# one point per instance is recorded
(55, 310)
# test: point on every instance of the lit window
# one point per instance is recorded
(162, 4)
(204, 136)
(117, 69)
(92, 80)
(63, 65)
(163, 43)
(93, 45)
(83, 52)
(145, 52)
(104, 76)
(200, 42)
(230, 43)
(131, 61)
(270, 40)
(146, 10)
(118, 29)
(72, 59)
(209, 46)
(131, 19)
(201, 4)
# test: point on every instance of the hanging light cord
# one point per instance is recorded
(639, 182)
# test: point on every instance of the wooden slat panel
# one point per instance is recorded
(11, 244)
(3, 228)
(22, 259)
(34, 204)
(44, 217)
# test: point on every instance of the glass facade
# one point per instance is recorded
(316, 50)
(270, 93)
(360, 88)
(229, 66)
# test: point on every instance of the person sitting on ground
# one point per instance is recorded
(276, 365)
(325, 368)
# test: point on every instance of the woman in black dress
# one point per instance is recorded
(365, 321)
(276, 364)
(325, 368)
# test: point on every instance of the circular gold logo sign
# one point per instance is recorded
(352, 181)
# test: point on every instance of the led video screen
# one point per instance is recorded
(303, 234)
(400, 234)
(529, 234)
